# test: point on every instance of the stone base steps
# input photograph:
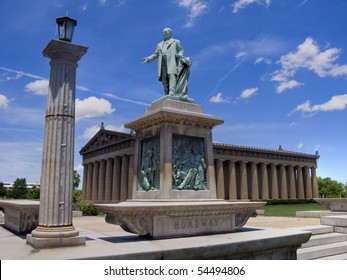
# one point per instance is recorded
(322, 251)
(328, 240)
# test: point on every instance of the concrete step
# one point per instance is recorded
(317, 229)
(327, 238)
(337, 221)
(335, 257)
(340, 229)
(322, 251)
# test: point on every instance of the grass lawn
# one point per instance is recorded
(289, 210)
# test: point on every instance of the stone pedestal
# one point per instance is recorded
(55, 219)
(166, 219)
(21, 216)
(174, 185)
(169, 136)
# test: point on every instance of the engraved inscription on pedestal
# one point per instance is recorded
(188, 163)
(196, 225)
(149, 177)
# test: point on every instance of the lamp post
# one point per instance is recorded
(55, 227)
(66, 26)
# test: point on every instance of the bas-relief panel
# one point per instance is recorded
(188, 163)
(149, 177)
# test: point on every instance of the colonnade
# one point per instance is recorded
(261, 180)
(108, 180)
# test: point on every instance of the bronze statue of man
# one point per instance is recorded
(170, 56)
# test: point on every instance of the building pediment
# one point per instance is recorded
(104, 138)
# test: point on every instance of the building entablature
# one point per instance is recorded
(266, 156)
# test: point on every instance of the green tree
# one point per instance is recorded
(330, 188)
(19, 189)
(3, 190)
(33, 193)
(76, 195)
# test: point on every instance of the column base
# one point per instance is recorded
(49, 237)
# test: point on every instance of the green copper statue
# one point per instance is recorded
(173, 67)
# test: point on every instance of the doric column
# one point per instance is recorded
(101, 183)
(116, 179)
(254, 180)
(108, 179)
(243, 178)
(95, 181)
(274, 182)
(84, 181)
(300, 183)
(124, 178)
(264, 182)
(292, 187)
(220, 179)
(315, 191)
(232, 180)
(55, 212)
(131, 176)
(283, 182)
(89, 182)
(307, 183)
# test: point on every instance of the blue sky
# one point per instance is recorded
(275, 70)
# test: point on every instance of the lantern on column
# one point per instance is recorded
(66, 26)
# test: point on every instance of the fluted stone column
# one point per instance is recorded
(89, 182)
(232, 180)
(108, 179)
(307, 183)
(84, 181)
(264, 182)
(315, 191)
(220, 179)
(274, 181)
(243, 178)
(292, 187)
(55, 215)
(131, 176)
(300, 183)
(95, 184)
(254, 180)
(116, 179)
(283, 182)
(124, 178)
(101, 183)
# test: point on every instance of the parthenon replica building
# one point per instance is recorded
(241, 173)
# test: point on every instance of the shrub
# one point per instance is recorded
(89, 210)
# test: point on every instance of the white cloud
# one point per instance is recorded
(195, 7)
(263, 60)
(84, 7)
(18, 74)
(300, 145)
(337, 102)
(92, 107)
(247, 93)
(240, 55)
(218, 98)
(39, 87)
(287, 85)
(82, 88)
(103, 2)
(241, 4)
(4, 101)
(308, 56)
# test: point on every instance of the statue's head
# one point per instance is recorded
(167, 32)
